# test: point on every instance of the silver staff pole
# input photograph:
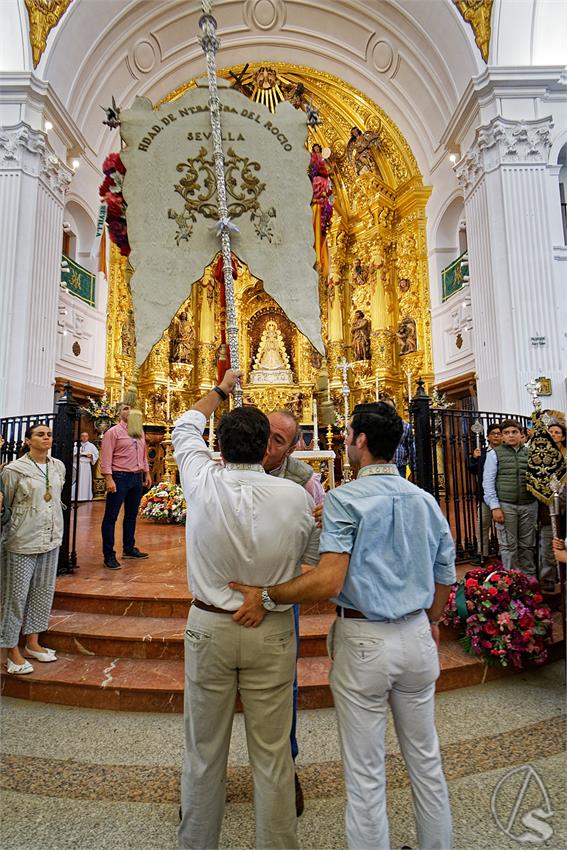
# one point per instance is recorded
(210, 45)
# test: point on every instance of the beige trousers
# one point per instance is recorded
(222, 658)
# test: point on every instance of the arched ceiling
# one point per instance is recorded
(412, 58)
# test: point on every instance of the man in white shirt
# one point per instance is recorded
(241, 522)
(88, 454)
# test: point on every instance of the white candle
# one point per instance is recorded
(377, 389)
(409, 384)
(315, 427)
(168, 402)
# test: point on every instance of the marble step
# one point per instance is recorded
(84, 633)
(134, 684)
(151, 684)
(134, 597)
(151, 637)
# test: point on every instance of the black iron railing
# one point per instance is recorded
(445, 441)
(65, 424)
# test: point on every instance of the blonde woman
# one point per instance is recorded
(32, 491)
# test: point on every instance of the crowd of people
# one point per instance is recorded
(382, 552)
(509, 506)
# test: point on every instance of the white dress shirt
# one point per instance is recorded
(242, 524)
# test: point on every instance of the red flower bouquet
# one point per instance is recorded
(502, 616)
(110, 191)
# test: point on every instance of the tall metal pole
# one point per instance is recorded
(210, 45)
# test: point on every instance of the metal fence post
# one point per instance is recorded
(65, 439)
(419, 408)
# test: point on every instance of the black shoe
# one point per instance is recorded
(135, 553)
(111, 563)
(299, 801)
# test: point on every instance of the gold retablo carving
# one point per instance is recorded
(43, 15)
(478, 13)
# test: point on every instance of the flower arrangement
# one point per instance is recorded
(440, 400)
(110, 192)
(165, 502)
(103, 412)
(504, 621)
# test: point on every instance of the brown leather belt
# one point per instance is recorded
(351, 614)
(212, 608)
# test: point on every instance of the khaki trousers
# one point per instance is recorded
(222, 658)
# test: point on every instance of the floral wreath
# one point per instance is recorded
(502, 615)
(165, 502)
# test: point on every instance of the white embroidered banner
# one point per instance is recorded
(172, 213)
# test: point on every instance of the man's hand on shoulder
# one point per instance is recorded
(251, 612)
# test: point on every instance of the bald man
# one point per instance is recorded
(284, 435)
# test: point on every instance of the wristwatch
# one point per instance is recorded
(434, 622)
(220, 392)
(267, 601)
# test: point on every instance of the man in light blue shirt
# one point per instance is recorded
(388, 561)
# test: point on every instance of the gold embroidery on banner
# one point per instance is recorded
(43, 15)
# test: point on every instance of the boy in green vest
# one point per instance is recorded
(514, 509)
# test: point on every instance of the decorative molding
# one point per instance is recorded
(505, 142)
(477, 13)
(15, 141)
(55, 173)
(264, 14)
(22, 148)
(43, 15)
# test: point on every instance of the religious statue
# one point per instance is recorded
(322, 204)
(359, 149)
(360, 274)
(407, 335)
(360, 330)
(183, 339)
(128, 336)
(271, 364)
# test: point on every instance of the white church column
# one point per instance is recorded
(33, 182)
(517, 334)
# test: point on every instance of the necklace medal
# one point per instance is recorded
(47, 496)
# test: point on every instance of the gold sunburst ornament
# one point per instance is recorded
(43, 15)
(478, 13)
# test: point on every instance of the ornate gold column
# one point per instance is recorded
(381, 336)
(338, 246)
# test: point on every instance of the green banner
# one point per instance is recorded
(455, 276)
(79, 281)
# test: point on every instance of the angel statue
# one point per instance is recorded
(358, 149)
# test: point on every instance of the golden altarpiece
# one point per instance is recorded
(377, 266)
